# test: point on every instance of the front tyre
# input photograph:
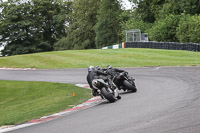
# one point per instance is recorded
(129, 86)
(110, 97)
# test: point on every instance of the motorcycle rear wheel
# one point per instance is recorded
(110, 97)
(129, 86)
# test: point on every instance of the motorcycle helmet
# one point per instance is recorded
(109, 67)
(91, 68)
(98, 67)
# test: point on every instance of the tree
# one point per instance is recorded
(152, 10)
(108, 27)
(164, 16)
(15, 20)
(32, 26)
(198, 5)
(147, 10)
(179, 7)
(80, 32)
(188, 29)
(165, 29)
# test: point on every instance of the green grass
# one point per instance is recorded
(117, 58)
(22, 101)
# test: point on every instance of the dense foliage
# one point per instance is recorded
(188, 29)
(32, 26)
(165, 29)
(167, 20)
(45, 25)
(80, 30)
(107, 28)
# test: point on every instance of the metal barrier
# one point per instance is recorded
(164, 45)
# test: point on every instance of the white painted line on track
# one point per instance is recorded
(157, 68)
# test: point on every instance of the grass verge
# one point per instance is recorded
(22, 101)
(128, 57)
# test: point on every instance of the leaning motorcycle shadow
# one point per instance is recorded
(127, 92)
(105, 102)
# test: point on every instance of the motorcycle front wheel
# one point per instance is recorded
(108, 95)
(129, 86)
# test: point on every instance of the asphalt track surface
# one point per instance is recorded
(167, 101)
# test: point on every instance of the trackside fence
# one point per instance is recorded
(157, 45)
(164, 45)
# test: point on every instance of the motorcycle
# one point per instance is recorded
(105, 90)
(125, 82)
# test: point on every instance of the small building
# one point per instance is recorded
(135, 35)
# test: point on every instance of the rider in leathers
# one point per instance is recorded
(113, 71)
(94, 74)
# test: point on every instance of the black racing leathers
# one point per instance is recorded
(114, 72)
(95, 74)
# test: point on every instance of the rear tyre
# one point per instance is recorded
(110, 97)
(129, 86)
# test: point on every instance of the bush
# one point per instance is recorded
(63, 44)
(165, 29)
(188, 29)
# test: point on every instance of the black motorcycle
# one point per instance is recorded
(125, 82)
(105, 90)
